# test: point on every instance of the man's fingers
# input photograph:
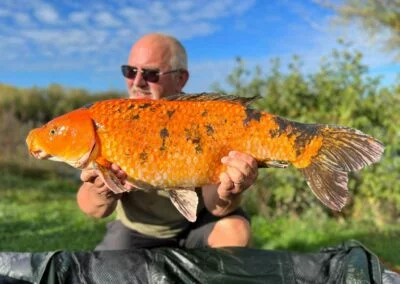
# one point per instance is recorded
(238, 164)
(88, 175)
(225, 186)
(235, 175)
(118, 172)
(244, 157)
(98, 182)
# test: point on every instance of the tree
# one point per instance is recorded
(375, 16)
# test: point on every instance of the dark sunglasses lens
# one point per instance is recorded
(129, 72)
(150, 76)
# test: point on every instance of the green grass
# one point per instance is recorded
(310, 233)
(42, 215)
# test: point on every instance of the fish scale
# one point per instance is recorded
(177, 144)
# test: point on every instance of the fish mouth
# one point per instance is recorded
(40, 154)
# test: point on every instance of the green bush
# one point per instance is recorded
(340, 92)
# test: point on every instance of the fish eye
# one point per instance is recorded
(53, 131)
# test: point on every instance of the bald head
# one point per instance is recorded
(162, 53)
(167, 46)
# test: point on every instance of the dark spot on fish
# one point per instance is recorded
(145, 105)
(204, 113)
(131, 106)
(164, 133)
(283, 123)
(198, 149)
(155, 107)
(209, 129)
(193, 135)
(143, 156)
(170, 113)
(187, 134)
(304, 134)
(251, 114)
(197, 142)
(282, 126)
(135, 116)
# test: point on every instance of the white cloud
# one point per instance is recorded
(46, 14)
(191, 30)
(243, 6)
(4, 13)
(78, 17)
(137, 18)
(159, 13)
(212, 10)
(23, 19)
(182, 5)
(105, 19)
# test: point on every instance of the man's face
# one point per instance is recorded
(154, 56)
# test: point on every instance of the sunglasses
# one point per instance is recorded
(149, 75)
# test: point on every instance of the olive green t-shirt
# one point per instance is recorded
(152, 213)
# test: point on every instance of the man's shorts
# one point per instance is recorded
(119, 237)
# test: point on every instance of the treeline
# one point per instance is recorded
(42, 104)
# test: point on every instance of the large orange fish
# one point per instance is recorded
(177, 143)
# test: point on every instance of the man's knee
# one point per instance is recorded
(230, 231)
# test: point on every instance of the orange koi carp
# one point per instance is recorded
(176, 144)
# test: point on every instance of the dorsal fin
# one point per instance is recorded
(88, 105)
(202, 97)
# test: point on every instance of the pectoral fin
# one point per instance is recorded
(185, 200)
(273, 164)
(109, 178)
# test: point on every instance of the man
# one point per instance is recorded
(157, 67)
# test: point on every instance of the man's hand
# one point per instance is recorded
(241, 173)
(94, 197)
(91, 176)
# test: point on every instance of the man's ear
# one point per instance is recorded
(183, 78)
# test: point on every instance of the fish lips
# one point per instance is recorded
(40, 155)
(79, 163)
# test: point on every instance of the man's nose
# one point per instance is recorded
(139, 81)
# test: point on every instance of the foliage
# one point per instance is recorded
(43, 104)
(377, 17)
(339, 92)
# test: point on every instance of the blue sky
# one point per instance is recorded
(81, 44)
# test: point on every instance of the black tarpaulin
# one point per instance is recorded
(346, 263)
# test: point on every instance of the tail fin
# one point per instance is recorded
(343, 150)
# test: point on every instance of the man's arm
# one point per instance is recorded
(94, 197)
(241, 173)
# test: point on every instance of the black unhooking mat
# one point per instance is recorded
(346, 263)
